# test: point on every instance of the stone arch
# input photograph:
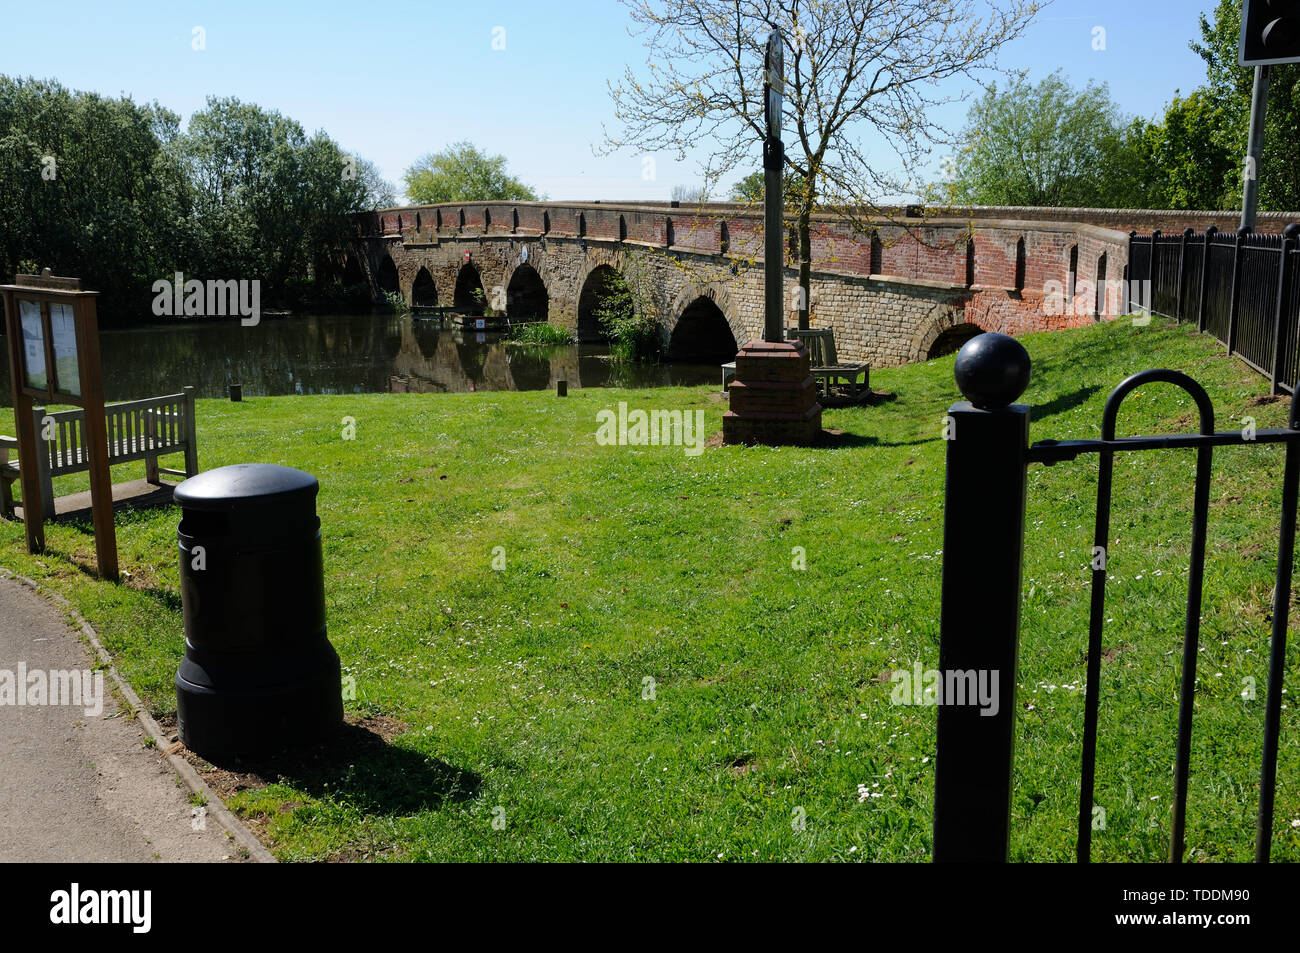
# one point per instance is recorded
(716, 293)
(470, 296)
(526, 296)
(702, 334)
(600, 283)
(424, 293)
(943, 326)
(951, 340)
(386, 275)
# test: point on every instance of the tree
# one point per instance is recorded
(270, 200)
(691, 194)
(462, 173)
(851, 65)
(1045, 144)
(1227, 113)
(1192, 151)
(753, 187)
(88, 189)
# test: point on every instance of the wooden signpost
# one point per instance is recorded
(53, 335)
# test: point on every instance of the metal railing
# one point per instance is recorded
(984, 525)
(1242, 288)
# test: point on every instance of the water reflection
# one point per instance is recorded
(351, 354)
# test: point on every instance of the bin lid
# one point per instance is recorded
(246, 484)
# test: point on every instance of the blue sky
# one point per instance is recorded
(395, 79)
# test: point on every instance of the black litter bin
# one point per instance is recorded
(259, 673)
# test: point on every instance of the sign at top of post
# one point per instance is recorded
(774, 82)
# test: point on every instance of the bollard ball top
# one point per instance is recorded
(992, 370)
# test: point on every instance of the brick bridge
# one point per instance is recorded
(907, 290)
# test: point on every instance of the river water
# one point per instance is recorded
(350, 354)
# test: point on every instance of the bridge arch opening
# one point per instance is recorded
(603, 293)
(469, 296)
(702, 335)
(526, 296)
(424, 293)
(386, 277)
(951, 340)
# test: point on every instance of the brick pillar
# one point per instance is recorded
(773, 397)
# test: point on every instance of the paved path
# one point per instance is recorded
(78, 787)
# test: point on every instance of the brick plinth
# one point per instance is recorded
(773, 397)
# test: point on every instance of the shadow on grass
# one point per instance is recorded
(1063, 403)
(357, 766)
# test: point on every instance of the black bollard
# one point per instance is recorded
(259, 673)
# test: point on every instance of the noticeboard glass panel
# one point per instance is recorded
(35, 372)
(63, 331)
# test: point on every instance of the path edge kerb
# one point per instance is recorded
(216, 807)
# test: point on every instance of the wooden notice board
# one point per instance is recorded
(53, 334)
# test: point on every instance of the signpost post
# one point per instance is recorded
(773, 189)
(53, 335)
(773, 397)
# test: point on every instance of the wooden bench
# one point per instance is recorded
(137, 430)
(827, 371)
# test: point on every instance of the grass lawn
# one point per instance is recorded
(650, 677)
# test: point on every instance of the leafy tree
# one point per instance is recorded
(753, 187)
(114, 193)
(270, 201)
(88, 188)
(463, 173)
(1046, 144)
(1192, 151)
(850, 65)
(1227, 113)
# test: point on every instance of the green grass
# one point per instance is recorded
(526, 692)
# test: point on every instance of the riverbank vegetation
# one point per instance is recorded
(120, 195)
(540, 333)
(577, 651)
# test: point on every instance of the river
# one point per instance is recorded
(351, 354)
